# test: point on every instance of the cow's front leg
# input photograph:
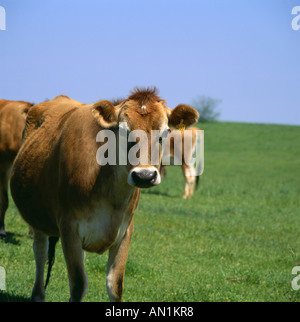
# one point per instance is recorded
(40, 248)
(116, 266)
(189, 176)
(74, 256)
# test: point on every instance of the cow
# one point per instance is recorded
(182, 149)
(63, 192)
(12, 122)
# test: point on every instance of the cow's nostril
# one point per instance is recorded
(144, 178)
(135, 177)
(154, 177)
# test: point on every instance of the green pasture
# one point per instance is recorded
(238, 239)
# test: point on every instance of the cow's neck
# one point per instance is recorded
(121, 187)
(114, 186)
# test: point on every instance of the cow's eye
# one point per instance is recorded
(164, 135)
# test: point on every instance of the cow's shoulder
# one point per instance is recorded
(49, 113)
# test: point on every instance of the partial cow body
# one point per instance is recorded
(12, 122)
(183, 152)
(62, 191)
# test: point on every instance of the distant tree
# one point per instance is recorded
(207, 108)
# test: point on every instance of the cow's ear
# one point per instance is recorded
(105, 113)
(183, 116)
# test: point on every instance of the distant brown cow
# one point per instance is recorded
(184, 151)
(61, 190)
(12, 122)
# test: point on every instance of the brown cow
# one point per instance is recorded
(61, 190)
(182, 149)
(12, 122)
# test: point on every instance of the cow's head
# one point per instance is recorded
(146, 112)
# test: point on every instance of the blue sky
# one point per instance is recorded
(244, 53)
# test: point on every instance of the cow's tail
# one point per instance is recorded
(197, 181)
(51, 257)
(200, 148)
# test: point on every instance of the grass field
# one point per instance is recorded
(238, 239)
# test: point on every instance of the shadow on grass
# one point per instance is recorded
(11, 239)
(7, 297)
(157, 192)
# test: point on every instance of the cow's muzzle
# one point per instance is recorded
(144, 177)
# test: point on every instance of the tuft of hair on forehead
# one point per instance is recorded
(145, 95)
